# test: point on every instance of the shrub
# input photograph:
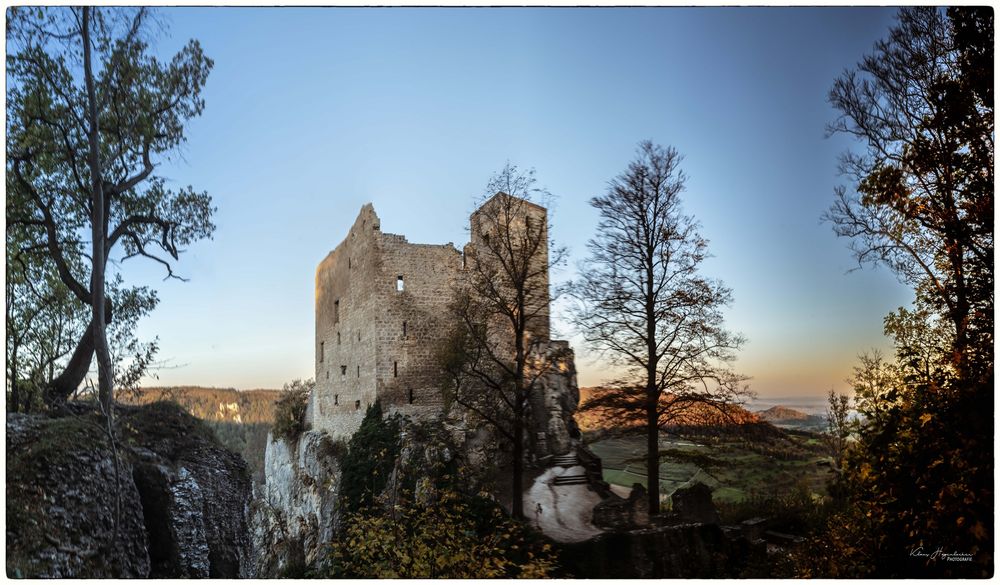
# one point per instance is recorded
(290, 410)
(371, 456)
(456, 537)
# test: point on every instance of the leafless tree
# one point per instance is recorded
(642, 303)
(498, 353)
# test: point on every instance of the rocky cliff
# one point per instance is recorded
(164, 500)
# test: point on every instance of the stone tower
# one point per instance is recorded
(526, 224)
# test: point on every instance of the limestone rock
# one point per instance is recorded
(180, 498)
(296, 509)
(62, 502)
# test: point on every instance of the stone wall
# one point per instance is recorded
(380, 308)
(411, 325)
(345, 349)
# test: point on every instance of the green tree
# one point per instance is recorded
(89, 115)
(369, 461)
(644, 303)
(290, 410)
(838, 428)
(921, 474)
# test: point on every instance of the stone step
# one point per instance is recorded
(569, 480)
(566, 459)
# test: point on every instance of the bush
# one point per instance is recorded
(455, 537)
(370, 458)
(290, 410)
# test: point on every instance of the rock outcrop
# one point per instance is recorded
(552, 426)
(172, 503)
(296, 508)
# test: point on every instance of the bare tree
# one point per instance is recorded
(499, 352)
(643, 305)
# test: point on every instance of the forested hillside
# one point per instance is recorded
(240, 419)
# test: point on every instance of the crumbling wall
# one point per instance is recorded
(382, 316)
(345, 354)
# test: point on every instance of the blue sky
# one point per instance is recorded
(313, 112)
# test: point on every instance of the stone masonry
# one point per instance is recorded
(379, 307)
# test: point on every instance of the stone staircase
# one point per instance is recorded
(570, 480)
(568, 460)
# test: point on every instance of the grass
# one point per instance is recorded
(744, 471)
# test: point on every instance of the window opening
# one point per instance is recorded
(395, 369)
(359, 371)
(399, 283)
(338, 338)
(404, 328)
(357, 405)
(410, 392)
(343, 370)
(336, 399)
(336, 311)
(322, 350)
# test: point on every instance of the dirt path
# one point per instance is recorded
(566, 510)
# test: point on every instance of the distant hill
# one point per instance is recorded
(699, 415)
(213, 404)
(776, 413)
(785, 417)
(240, 419)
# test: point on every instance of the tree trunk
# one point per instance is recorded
(105, 375)
(517, 495)
(15, 392)
(652, 451)
(61, 387)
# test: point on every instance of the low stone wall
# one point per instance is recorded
(684, 551)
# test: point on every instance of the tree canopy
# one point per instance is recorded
(91, 113)
(920, 475)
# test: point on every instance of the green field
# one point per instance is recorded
(734, 470)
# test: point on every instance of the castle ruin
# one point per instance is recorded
(381, 316)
